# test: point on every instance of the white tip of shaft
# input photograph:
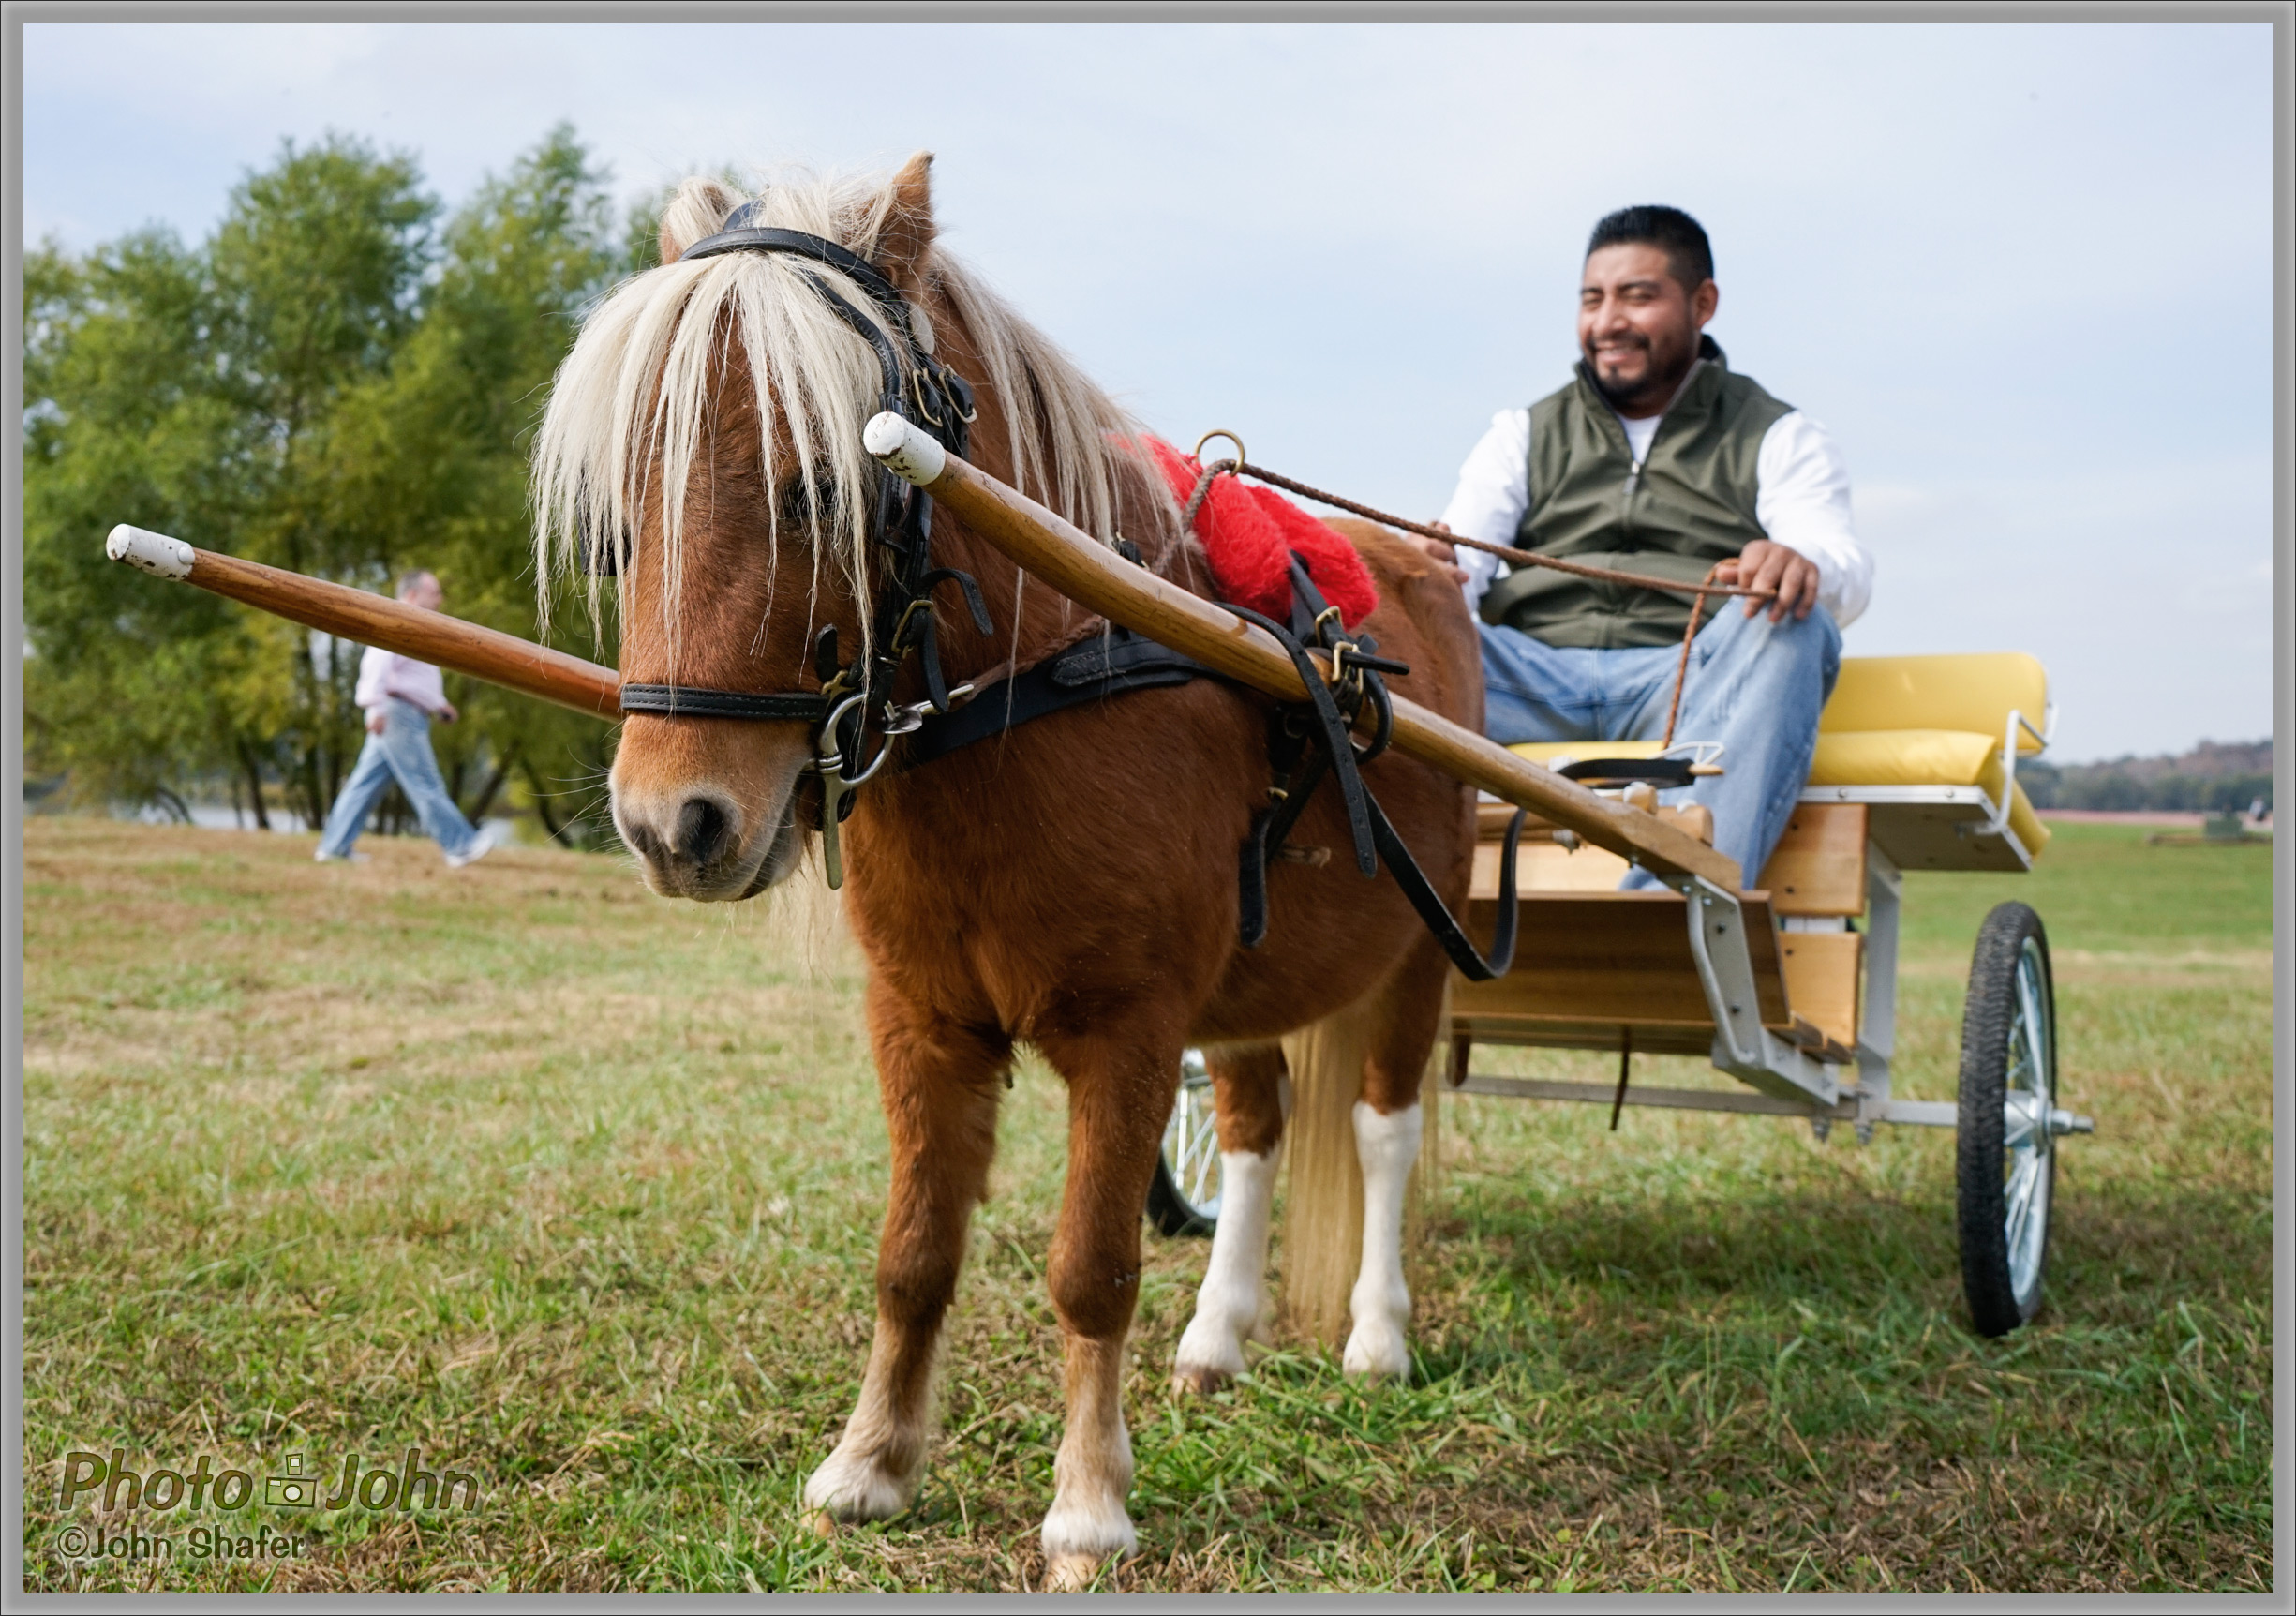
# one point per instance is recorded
(154, 553)
(903, 450)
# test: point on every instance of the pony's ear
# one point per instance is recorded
(906, 234)
(694, 213)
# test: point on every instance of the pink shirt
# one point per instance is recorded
(383, 674)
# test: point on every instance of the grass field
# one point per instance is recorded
(577, 1192)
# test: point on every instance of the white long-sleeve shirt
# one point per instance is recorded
(1801, 501)
(383, 674)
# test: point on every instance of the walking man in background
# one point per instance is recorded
(400, 696)
(1659, 460)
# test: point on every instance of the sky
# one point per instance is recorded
(2022, 274)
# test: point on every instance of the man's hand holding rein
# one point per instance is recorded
(1765, 565)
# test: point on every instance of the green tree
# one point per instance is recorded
(333, 383)
(132, 688)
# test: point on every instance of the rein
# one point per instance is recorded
(1243, 468)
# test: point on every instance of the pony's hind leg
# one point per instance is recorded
(1231, 1304)
(1388, 1125)
(1122, 1080)
(939, 1084)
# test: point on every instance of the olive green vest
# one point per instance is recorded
(1690, 505)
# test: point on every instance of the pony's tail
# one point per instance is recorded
(1324, 1201)
(1323, 1207)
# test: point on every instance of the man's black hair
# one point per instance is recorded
(1669, 229)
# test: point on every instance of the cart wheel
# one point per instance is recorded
(1183, 1198)
(2006, 1157)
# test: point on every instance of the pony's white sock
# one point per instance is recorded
(1380, 1303)
(1232, 1298)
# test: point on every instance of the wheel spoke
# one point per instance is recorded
(2030, 1035)
(1191, 1139)
(2023, 1195)
(1203, 1160)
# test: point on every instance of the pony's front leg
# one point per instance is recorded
(1388, 1125)
(1231, 1304)
(1122, 1081)
(939, 1083)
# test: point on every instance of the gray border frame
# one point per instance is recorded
(2284, 776)
(2280, 14)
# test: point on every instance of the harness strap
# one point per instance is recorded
(1339, 746)
(693, 702)
(1298, 773)
(739, 236)
(1109, 665)
(1424, 899)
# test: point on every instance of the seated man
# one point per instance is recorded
(1659, 460)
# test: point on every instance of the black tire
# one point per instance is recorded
(1184, 1197)
(2006, 1166)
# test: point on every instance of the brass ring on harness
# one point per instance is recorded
(956, 406)
(909, 615)
(916, 391)
(1196, 453)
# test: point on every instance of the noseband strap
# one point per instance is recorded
(693, 702)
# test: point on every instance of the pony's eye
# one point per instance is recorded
(804, 505)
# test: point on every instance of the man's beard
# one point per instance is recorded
(1654, 389)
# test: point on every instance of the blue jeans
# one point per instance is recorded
(1753, 686)
(401, 752)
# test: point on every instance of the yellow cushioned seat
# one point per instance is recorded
(1971, 693)
(1934, 720)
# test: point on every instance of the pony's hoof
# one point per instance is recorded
(1200, 1380)
(1377, 1351)
(1071, 1572)
(1085, 1535)
(822, 1523)
(855, 1487)
(1211, 1353)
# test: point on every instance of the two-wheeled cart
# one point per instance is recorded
(1790, 985)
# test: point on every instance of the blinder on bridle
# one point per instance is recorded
(937, 401)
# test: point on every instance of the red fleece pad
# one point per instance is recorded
(1250, 533)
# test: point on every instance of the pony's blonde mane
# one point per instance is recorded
(633, 397)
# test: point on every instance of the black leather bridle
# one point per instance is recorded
(937, 401)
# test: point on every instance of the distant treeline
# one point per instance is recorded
(2214, 776)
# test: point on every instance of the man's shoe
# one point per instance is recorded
(481, 845)
(323, 857)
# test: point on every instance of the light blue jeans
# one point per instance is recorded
(1753, 686)
(402, 752)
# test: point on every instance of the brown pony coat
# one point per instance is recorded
(1071, 883)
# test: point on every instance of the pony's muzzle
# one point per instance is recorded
(710, 823)
(690, 843)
